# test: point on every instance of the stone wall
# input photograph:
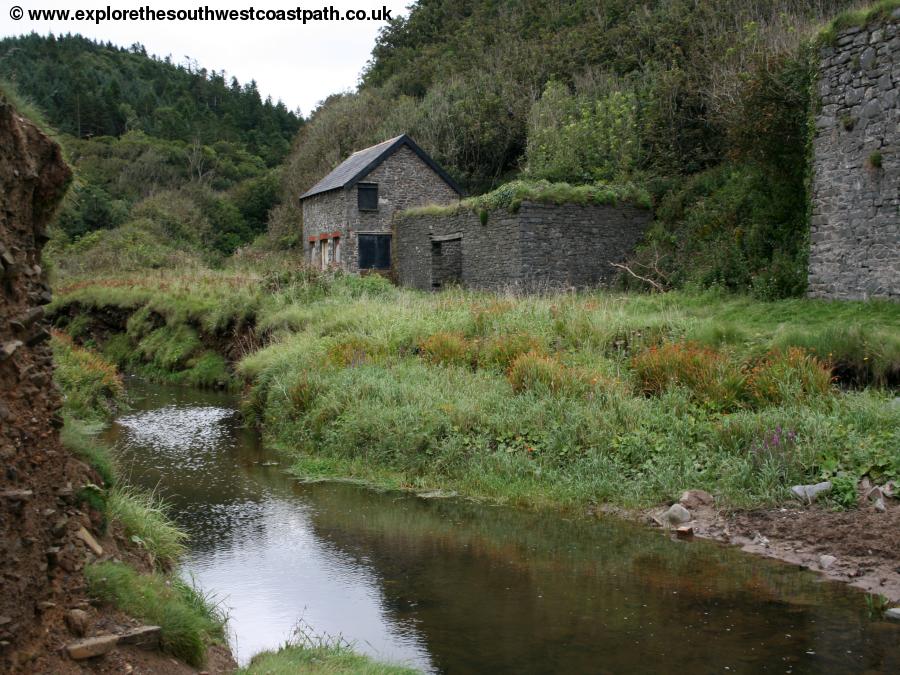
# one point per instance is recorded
(404, 181)
(855, 223)
(539, 246)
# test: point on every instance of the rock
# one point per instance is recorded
(9, 348)
(879, 506)
(685, 531)
(811, 492)
(676, 515)
(145, 637)
(78, 622)
(893, 613)
(826, 561)
(89, 540)
(693, 499)
(17, 495)
(760, 540)
(91, 647)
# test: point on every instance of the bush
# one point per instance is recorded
(144, 517)
(499, 351)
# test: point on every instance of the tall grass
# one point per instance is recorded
(145, 519)
(187, 619)
(92, 386)
(559, 398)
(310, 653)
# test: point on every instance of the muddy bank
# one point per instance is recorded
(859, 546)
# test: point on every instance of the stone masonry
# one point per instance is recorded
(855, 223)
(404, 181)
(540, 246)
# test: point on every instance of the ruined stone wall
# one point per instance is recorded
(539, 246)
(855, 222)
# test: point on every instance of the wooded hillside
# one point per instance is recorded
(705, 102)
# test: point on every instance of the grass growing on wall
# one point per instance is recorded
(511, 196)
(853, 18)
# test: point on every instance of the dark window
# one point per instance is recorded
(374, 251)
(367, 197)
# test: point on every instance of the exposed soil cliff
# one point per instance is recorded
(39, 551)
(47, 533)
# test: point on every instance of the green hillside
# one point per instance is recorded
(173, 163)
(704, 102)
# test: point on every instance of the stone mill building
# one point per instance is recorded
(359, 218)
(348, 215)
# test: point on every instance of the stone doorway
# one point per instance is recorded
(446, 261)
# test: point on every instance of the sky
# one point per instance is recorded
(298, 64)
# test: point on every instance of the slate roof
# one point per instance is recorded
(361, 163)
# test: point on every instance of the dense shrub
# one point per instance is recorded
(534, 371)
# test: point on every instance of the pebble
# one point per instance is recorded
(811, 492)
(78, 621)
(893, 613)
(826, 561)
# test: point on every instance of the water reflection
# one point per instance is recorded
(455, 587)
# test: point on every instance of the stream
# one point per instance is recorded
(450, 586)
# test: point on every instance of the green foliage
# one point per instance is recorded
(81, 438)
(91, 386)
(169, 347)
(511, 195)
(145, 520)
(583, 138)
(875, 160)
(858, 17)
(545, 403)
(311, 654)
(736, 227)
(188, 621)
(91, 89)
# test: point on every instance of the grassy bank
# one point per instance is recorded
(319, 658)
(92, 391)
(559, 400)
